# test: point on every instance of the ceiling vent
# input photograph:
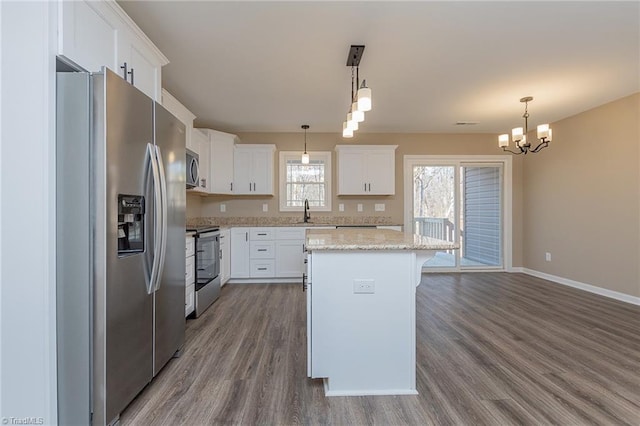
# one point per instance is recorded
(466, 123)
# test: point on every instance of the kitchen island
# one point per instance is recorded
(361, 304)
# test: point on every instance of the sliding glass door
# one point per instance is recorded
(460, 201)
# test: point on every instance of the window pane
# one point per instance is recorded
(305, 181)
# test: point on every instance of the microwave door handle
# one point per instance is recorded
(151, 279)
(163, 212)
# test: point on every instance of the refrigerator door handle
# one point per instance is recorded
(163, 222)
(157, 237)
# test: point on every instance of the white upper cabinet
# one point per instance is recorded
(94, 34)
(221, 161)
(366, 169)
(253, 169)
(182, 113)
(87, 34)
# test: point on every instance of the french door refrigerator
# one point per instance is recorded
(120, 195)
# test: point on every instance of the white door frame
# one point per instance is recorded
(444, 160)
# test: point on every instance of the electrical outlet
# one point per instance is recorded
(547, 256)
(379, 207)
(265, 207)
(223, 208)
(341, 207)
(364, 286)
(360, 207)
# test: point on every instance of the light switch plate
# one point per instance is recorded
(360, 207)
(223, 208)
(341, 207)
(379, 207)
(265, 207)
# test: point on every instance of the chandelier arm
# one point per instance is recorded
(540, 146)
(513, 152)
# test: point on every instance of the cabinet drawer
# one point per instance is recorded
(189, 299)
(262, 250)
(259, 234)
(189, 276)
(297, 233)
(262, 268)
(191, 246)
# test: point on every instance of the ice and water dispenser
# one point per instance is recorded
(130, 224)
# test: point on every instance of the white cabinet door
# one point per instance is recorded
(253, 169)
(380, 174)
(351, 173)
(221, 163)
(201, 141)
(290, 258)
(225, 253)
(262, 168)
(240, 265)
(87, 35)
(242, 176)
(143, 71)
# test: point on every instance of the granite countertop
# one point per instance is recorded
(371, 239)
(290, 221)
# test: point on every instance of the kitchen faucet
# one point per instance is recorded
(307, 216)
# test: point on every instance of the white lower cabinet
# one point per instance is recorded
(290, 252)
(267, 253)
(240, 266)
(189, 276)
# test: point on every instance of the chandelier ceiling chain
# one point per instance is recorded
(519, 134)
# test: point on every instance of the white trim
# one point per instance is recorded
(634, 300)
(328, 392)
(282, 190)
(507, 160)
(135, 29)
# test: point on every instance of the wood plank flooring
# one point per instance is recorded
(492, 349)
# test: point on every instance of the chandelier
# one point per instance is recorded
(360, 94)
(519, 135)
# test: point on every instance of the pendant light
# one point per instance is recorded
(360, 94)
(305, 156)
(519, 134)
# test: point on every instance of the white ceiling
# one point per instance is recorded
(271, 66)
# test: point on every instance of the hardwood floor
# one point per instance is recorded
(492, 348)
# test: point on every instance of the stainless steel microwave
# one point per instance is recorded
(193, 172)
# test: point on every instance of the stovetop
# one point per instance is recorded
(202, 229)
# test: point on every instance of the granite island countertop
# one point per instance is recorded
(371, 239)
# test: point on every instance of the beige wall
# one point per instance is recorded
(414, 144)
(581, 199)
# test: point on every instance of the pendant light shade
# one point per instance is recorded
(305, 155)
(346, 131)
(357, 115)
(364, 97)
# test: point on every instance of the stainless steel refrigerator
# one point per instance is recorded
(120, 195)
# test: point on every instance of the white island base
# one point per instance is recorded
(361, 320)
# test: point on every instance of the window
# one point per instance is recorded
(305, 181)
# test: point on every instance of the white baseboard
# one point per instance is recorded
(382, 392)
(582, 286)
(265, 281)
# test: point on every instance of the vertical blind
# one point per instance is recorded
(482, 214)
